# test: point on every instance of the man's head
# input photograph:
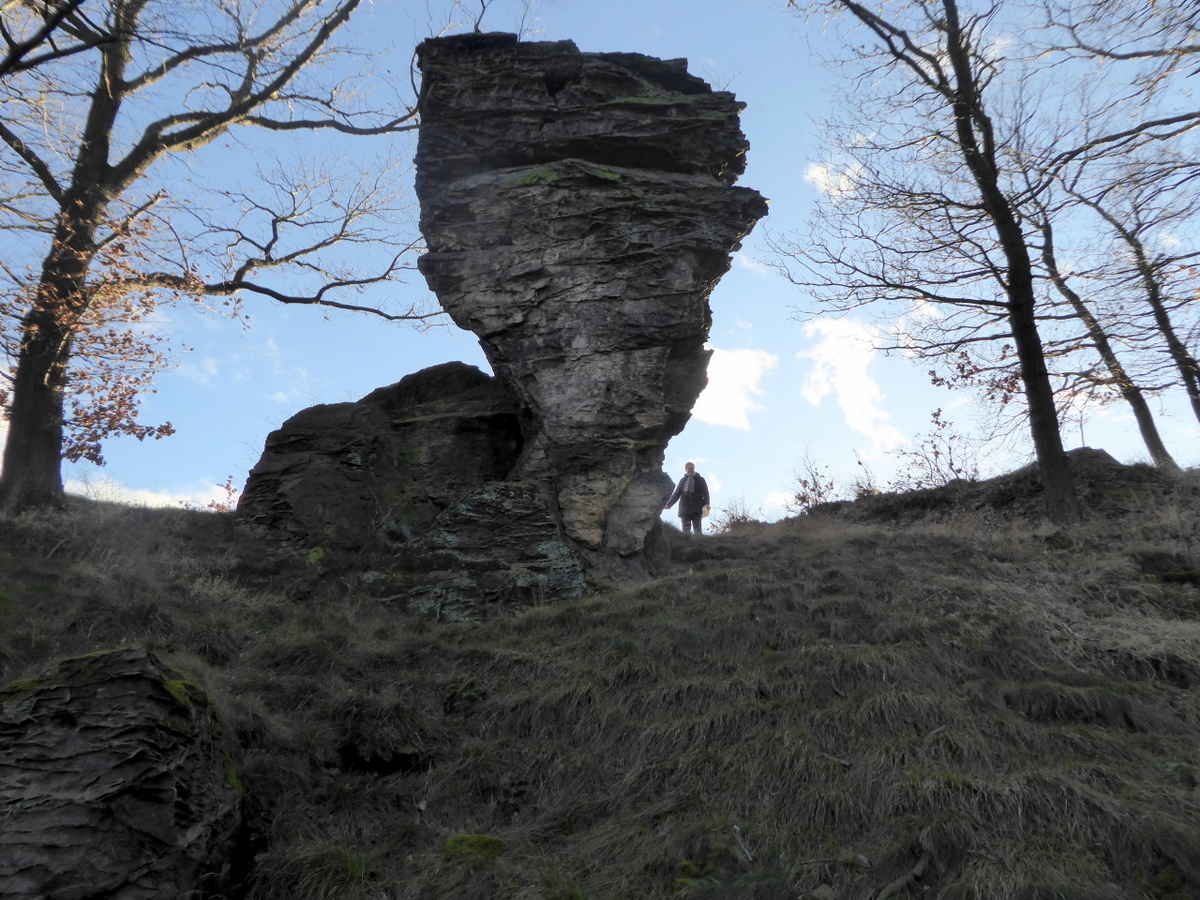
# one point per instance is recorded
(690, 468)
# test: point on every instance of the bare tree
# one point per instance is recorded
(1128, 208)
(83, 136)
(1165, 33)
(1117, 375)
(936, 458)
(948, 232)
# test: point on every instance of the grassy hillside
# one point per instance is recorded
(978, 707)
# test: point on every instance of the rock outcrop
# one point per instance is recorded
(338, 475)
(418, 470)
(578, 211)
(113, 783)
(497, 548)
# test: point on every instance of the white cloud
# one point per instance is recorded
(997, 48)
(754, 265)
(733, 379)
(841, 358)
(203, 372)
(908, 326)
(775, 504)
(834, 181)
(924, 311)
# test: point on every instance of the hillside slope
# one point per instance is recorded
(981, 707)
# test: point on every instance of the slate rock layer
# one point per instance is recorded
(578, 211)
(335, 475)
(113, 783)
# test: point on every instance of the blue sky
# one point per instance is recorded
(779, 388)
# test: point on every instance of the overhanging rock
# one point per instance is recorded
(579, 209)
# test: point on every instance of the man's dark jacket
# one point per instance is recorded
(690, 505)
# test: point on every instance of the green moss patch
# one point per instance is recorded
(475, 848)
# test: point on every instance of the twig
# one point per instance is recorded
(737, 834)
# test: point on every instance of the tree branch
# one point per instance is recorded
(35, 162)
(158, 137)
(15, 60)
(395, 126)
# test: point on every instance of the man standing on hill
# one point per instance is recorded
(692, 494)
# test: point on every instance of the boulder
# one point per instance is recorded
(113, 783)
(578, 211)
(339, 475)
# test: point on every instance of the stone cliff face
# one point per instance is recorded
(578, 211)
(420, 470)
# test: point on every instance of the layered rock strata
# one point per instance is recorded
(497, 548)
(417, 471)
(114, 783)
(340, 474)
(578, 211)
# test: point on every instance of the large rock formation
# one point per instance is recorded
(419, 471)
(337, 475)
(113, 783)
(578, 211)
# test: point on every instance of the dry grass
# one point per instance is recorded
(1009, 709)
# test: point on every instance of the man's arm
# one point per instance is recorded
(674, 495)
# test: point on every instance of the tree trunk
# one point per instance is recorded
(1132, 395)
(1058, 484)
(1185, 362)
(1129, 391)
(32, 473)
(976, 141)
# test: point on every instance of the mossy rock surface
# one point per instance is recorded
(475, 847)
